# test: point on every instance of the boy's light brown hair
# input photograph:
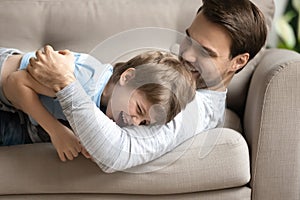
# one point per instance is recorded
(163, 79)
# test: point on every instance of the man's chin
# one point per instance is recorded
(200, 82)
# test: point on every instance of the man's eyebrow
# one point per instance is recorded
(209, 51)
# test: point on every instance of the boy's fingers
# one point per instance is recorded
(85, 153)
(78, 147)
(74, 153)
(62, 156)
(69, 155)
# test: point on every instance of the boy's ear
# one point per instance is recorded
(239, 62)
(126, 76)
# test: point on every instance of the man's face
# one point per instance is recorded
(206, 48)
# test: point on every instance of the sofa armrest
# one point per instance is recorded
(272, 126)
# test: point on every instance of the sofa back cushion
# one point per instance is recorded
(82, 25)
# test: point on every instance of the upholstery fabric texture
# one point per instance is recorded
(254, 156)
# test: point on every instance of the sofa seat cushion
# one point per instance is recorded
(212, 160)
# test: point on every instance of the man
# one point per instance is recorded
(223, 37)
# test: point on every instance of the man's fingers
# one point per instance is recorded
(38, 54)
(32, 61)
(30, 68)
(48, 49)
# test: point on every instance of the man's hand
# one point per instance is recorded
(52, 69)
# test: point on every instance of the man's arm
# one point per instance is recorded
(113, 148)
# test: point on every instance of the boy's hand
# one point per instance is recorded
(66, 143)
(85, 153)
(52, 69)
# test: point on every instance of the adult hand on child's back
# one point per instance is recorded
(53, 69)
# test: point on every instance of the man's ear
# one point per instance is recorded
(126, 76)
(239, 62)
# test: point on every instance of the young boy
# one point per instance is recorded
(150, 88)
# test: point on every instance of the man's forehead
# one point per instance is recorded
(202, 45)
(211, 36)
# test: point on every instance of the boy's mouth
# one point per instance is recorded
(122, 120)
(192, 69)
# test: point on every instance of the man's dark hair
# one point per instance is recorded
(244, 22)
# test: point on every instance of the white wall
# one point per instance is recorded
(279, 9)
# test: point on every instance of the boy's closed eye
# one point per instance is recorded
(142, 113)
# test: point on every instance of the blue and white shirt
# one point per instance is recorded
(89, 72)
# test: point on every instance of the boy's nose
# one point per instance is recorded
(189, 55)
(136, 121)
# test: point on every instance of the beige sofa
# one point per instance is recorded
(255, 156)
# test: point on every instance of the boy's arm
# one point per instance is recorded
(21, 89)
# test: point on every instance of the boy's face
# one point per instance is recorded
(129, 107)
(207, 49)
